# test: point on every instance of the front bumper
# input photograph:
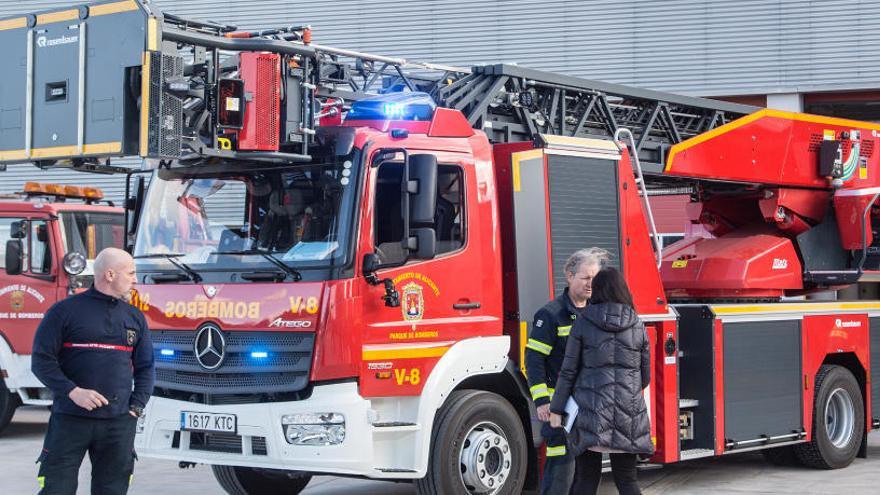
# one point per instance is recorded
(262, 441)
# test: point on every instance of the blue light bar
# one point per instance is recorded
(259, 354)
(393, 106)
(167, 352)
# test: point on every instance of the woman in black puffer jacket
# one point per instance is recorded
(606, 368)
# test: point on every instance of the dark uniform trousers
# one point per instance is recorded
(109, 442)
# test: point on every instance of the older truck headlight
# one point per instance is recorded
(314, 428)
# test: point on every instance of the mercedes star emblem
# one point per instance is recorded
(210, 347)
(210, 291)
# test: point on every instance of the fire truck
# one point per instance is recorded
(339, 254)
(50, 234)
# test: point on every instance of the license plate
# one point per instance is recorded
(202, 421)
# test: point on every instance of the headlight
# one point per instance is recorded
(314, 428)
(74, 263)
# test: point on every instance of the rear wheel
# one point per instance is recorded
(252, 481)
(838, 421)
(478, 446)
(8, 403)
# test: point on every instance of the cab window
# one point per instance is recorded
(449, 213)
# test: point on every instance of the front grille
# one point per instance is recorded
(221, 442)
(283, 371)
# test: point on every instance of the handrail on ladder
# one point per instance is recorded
(643, 191)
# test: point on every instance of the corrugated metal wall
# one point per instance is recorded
(715, 47)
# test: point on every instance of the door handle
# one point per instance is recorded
(466, 306)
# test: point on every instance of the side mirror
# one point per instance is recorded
(74, 263)
(422, 243)
(13, 256)
(134, 202)
(42, 233)
(371, 263)
(422, 188)
(18, 230)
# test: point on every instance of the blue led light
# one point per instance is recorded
(394, 106)
(259, 354)
(167, 352)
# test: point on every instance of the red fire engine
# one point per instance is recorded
(50, 234)
(364, 309)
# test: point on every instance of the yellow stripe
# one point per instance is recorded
(41, 480)
(145, 104)
(88, 149)
(18, 22)
(776, 308)
(64, 15)
(403, 353)
(556, 451)
(539, 346)
(112, 8)
(152, 34)
(563, 331)
(130, 479)
(523, 336)
(13, 155)
(767, 112)
(515, 168)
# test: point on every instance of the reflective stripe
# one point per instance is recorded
(42, 481)
(96, 345)
(538, 346)
(130, 479)
(551, 390)
(555, 451)
(539, 390)
(563, 331)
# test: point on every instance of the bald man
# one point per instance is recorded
(93, 350)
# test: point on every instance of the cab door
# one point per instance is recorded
(429, 304)
(26, 296)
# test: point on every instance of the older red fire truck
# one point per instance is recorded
(339, 254)
(49, 234)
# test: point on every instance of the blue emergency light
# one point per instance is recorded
(394, 106)
(259, 354)
(167, 352)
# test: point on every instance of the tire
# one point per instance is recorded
(781, 456)
(838, 421)
(478, 446)
(252, 481)
(8, 403)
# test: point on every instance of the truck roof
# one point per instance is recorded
(35, 205)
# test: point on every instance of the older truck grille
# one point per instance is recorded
(283, 368)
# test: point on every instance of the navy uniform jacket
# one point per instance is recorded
(94, 341)
(545, 349)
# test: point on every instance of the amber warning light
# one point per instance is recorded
(39, 188)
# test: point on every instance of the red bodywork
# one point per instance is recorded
(25, 298)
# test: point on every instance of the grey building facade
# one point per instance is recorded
(817, 56)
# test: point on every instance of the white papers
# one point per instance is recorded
(571, 411)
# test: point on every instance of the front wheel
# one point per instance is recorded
(838, 421)
(252, 481)
(8, 403)
(478, 446)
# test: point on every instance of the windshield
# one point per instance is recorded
(228, 219)
(90, 232)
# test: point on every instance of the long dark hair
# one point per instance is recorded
(609, 286)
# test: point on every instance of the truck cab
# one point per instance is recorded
(49, 235)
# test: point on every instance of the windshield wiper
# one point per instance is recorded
(268, 256)
(190, 273)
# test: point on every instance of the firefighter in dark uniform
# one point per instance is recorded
(545, 351)
(93, 350)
